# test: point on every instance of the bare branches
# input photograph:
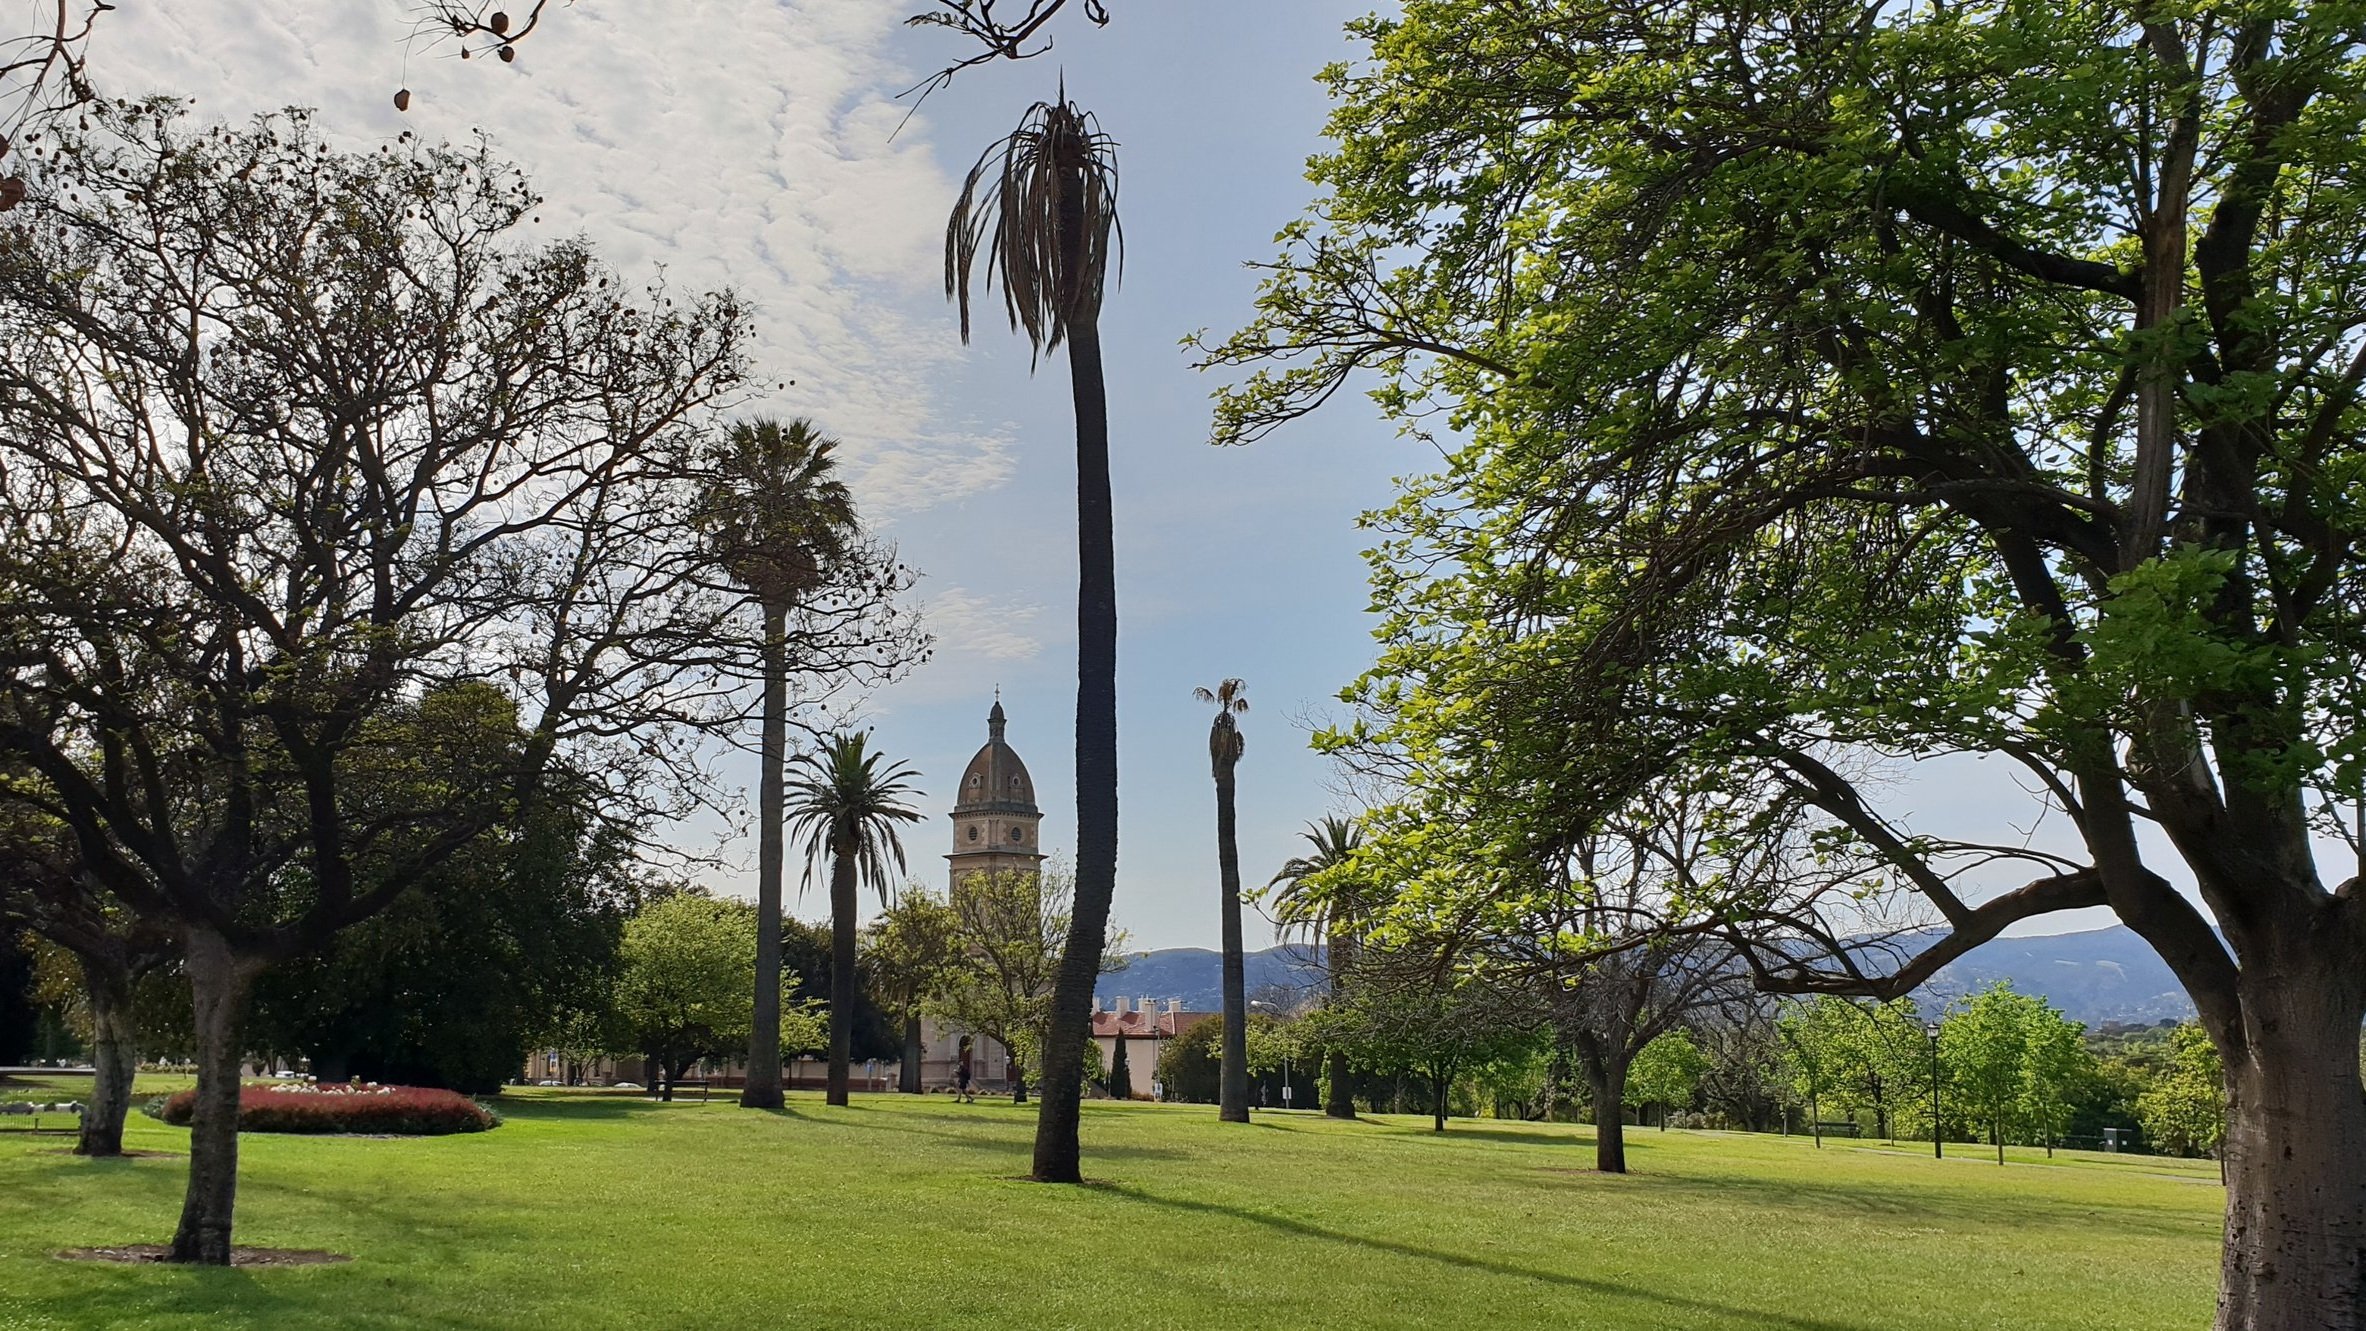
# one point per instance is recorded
(1003, 29)
(1798, 972)
(41, 72)
(1004, 36)
(477, 26)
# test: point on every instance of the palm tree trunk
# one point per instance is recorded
(763, 1089)
(1233, 1097)
(1058, 1151)
(842, 997)
(1339, 1100)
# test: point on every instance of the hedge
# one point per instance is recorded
(357, 1108)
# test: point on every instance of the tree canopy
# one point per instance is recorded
(1856, 382)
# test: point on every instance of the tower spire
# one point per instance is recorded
(995, 718)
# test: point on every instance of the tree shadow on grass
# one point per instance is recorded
(401, 1247)
(901, 1124)
(1727, 1313)
(585, 1108)
(1972, 1210)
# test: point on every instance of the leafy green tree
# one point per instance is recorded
(1985, 1046)
(846, 806)
(1225, 743)
(1910, 380)
(806, 961)
(1321, 894)
(2184, 1109)
(908, 951)
(1863, 1056)
(2056, 1068)
(451, 983)
(778, 521)
(1401, 1012)
(1666, 1072)
(1041, 206)
(1189, 1067)
(686, 987)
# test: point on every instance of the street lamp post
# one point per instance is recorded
(1938, 1148)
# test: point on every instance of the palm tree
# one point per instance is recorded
(1224, 754)
(1317, 898)
(776, 518)
(846, 808)
(1041, 207)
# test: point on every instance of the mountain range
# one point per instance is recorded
(2095, 976)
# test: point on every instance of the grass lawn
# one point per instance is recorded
(588, 1211)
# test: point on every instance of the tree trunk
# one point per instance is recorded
(1058, 1151)
(1233, 1086)
(1608, 1078)
(762, 1089)
(1339, 1100)
(113, 1055)
(908, 1076)
(1437, 1102)
(2295, 1153)
(218, 982)
(842, 982)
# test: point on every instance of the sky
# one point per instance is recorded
(762, 146)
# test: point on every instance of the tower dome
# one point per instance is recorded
(996, 823)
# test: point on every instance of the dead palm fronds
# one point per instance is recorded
(1041, 205)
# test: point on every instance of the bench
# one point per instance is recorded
(1844, 1128)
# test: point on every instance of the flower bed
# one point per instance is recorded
(354, 1107)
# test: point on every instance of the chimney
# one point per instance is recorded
(1117, 1005)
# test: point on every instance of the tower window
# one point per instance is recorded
(973, 832)
(1017, 835)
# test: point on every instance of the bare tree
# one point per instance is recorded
(340, 522)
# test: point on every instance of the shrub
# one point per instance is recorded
(354, 1107)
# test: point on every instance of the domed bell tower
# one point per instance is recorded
(995, 822)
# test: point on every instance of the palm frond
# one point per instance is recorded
(842, 803)
(771, 508)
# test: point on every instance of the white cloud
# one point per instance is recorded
(728, 144)
(972, 629)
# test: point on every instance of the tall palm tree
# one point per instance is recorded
(1041, 208)
(846, 807)
(1318, 899)
(776, 518)
(1224, 754)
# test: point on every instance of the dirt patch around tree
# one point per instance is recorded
(147, 1254)
(121, 1155)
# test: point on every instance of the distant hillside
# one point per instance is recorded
(1196, 975)
(2096, 976)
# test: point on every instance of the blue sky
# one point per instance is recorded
(759, 147)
